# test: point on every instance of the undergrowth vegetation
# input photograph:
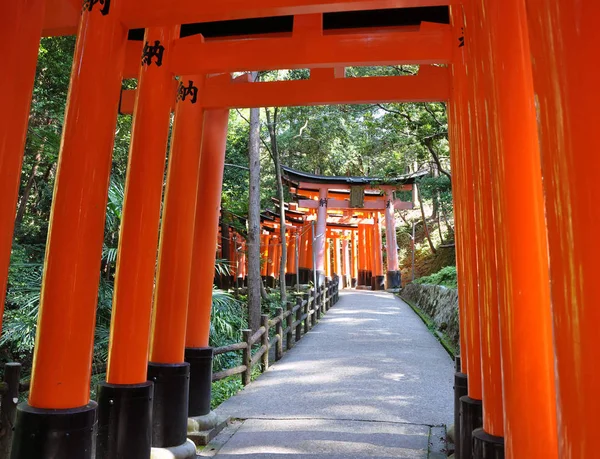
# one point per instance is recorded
(445, 276)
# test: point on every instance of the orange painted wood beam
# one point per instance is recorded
(144, 13)
(61, 17)
(431, 44)
(133, 59)
(431, 85)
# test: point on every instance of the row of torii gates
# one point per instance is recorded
(520, 81)
(333, 229)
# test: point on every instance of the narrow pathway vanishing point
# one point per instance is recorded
(369, 381)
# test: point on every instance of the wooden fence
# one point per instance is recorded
(298, 318)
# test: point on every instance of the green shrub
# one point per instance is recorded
(445, 276)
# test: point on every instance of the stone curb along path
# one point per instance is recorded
(369, 381)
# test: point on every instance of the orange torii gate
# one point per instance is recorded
(520, 82)
(368, 196)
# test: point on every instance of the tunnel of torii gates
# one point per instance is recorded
(332, 230)
(520, 81)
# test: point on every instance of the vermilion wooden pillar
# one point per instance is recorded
(60, 417)
(337, 257)
(564, 36)
(459, 152)
(346, 274)
(378, 282)
(328, 257)
(488, 441)
(167, 368)
(361, 251)
(354, 236)
(291, 257)
(270, 278)
(264, 250)
(304, 254)
(394, 280)
(310, 253)
(525, 312)
(125, 398)
(321, 234)
(19, 43)
(369, 254)
(244, 262)
(470, 405)
(276, 260)
(198, 353)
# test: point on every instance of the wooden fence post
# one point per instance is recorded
(279, 333)
(289, 341)
(10, 399)
(264, 319)
(299, 319)
(318, 305)
(247, 357)
(307, 311)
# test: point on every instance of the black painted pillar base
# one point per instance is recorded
(362, 277)
(460, 390)
(45, 433)
(200, 360)
(302, 275)
(124, 421)
(368, 278)
(225, 282)
(290, 279)
(471, 418)
(354, 282)
(486, 446)
(171, 400)
(378, 283)
(393, 280)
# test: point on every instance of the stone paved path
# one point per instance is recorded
(369, 381)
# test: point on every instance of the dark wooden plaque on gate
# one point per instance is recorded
(357, 197)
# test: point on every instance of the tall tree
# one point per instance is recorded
(274, 151)
(254, 279)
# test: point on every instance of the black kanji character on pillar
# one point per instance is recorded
(189, 90)
(388, 204)
(322, 202)
(157, 50)
(89, 5)
(461, 39)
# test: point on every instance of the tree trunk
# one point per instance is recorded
(439, 219)
(254, 279)
(433, 250)
(26, 192)
(271, 124)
